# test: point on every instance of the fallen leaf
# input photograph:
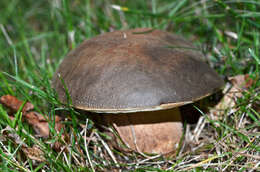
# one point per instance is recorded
(232, 91)
(41, 128)
(242, 81)
(40, 124)
(14, 104)
(36, 120)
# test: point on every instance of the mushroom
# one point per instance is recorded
(137, 79)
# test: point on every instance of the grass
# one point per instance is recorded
(36, 35)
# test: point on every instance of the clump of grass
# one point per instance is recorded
(35, 37)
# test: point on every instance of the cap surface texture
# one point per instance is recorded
(135, 70)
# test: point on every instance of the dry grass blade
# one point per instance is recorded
(249, 155)
(236, 154)
(107, 149)
(10, 42)
(86, 147)
(11, 159)
(201, 163)
(256, 167)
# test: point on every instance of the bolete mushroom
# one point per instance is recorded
(137, 78)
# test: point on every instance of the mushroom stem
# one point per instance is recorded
(150, 132)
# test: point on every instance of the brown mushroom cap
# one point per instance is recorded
(135, 70)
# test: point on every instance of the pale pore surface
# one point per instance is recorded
(150, 132)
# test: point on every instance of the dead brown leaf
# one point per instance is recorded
(36, 120)
(242, 81)
(40, 127)
(14, 104)
(40, 124)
